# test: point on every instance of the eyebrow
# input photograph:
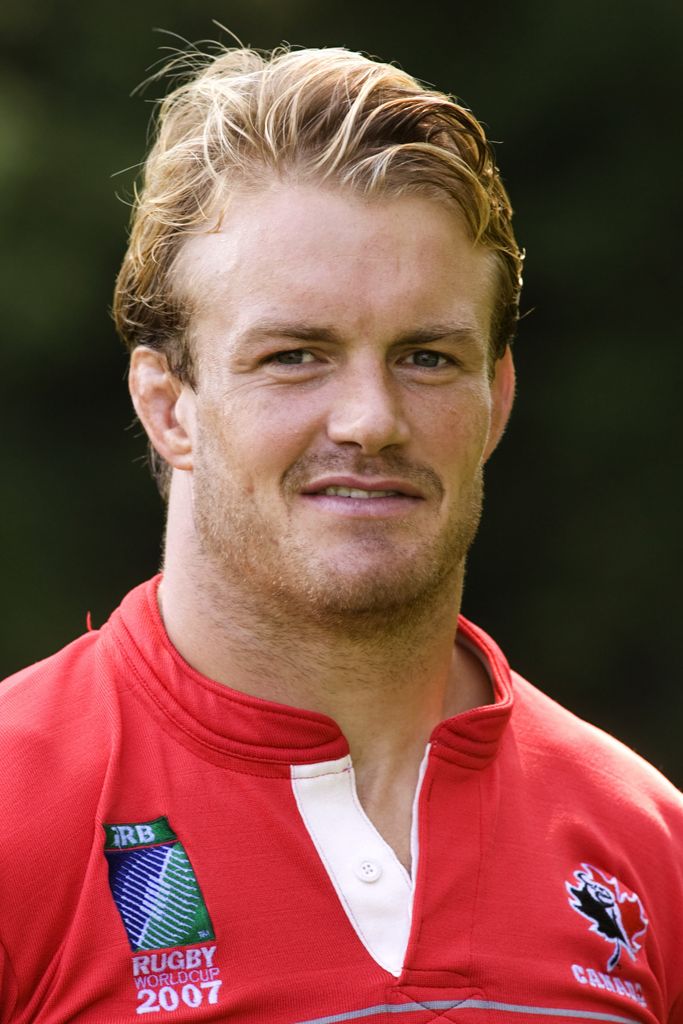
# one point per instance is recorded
(304, 331)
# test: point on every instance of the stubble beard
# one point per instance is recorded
(282, 577)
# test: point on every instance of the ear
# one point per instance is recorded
(502, 397)
(165, 406)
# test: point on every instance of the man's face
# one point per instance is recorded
(343, 398)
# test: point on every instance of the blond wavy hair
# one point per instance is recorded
(242, 118)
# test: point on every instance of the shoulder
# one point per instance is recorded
(588, 760)
(599, 803)
(55, 735)
(45, 700)
(562, 757)
(58, 738)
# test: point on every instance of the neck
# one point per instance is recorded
(386, 679)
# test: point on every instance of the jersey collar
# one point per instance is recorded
(225, 721)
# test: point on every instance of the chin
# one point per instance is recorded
(343, 594)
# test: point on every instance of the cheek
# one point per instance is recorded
(455, 434)
(252, 440)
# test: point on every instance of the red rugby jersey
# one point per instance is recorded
(173, 848)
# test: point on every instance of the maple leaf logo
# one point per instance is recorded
(615, 913)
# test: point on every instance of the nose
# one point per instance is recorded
(367, 411)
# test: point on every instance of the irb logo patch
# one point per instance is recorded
(154, 886)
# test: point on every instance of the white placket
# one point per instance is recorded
(374, 889)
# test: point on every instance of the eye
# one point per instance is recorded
(426, 359)
(292, 357)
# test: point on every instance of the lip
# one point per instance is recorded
(403, 488)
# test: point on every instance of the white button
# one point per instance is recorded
(368, 871)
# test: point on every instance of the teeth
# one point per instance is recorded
(356, 492)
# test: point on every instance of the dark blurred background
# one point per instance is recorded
(576, 571)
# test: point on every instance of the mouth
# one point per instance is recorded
(356, 492)
(361, 488)
(362, 498)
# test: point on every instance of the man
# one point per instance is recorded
(285, 783)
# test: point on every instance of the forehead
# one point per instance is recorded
(369, 265)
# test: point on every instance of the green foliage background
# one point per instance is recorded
(576, 571)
